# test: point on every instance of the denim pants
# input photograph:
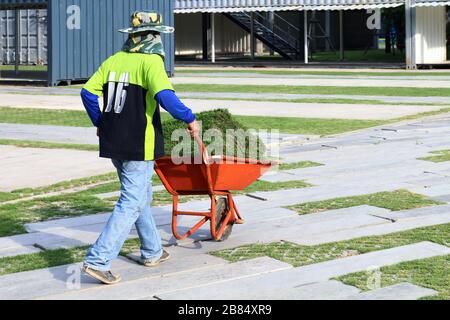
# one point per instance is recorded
(133, 208)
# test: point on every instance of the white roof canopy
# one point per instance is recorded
(223, 6)
(430, 3)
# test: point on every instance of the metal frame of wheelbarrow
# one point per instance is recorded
(228, 219)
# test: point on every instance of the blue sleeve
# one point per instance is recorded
(169, 101)
(92, 106)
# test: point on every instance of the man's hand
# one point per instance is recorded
(194, 129)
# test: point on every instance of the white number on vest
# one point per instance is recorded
(117, 92)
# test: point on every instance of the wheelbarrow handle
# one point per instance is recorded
(205, 155)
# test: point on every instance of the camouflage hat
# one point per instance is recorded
(147, 21)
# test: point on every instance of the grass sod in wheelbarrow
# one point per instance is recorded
(187, 179)
(222, 122)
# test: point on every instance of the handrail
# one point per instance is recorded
(278, 31)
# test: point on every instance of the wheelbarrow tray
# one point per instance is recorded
(216, 177)
(227, 174)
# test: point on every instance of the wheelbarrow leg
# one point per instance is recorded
(174, 222)
(238, 219)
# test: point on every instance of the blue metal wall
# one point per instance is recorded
(75, 54)
(22, 4)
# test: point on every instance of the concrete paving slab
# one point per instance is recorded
(310, 110)
(54, 281)
(264, 285)
(328, 290)
(56, 134)
(281, 96)
(268, 81)
(100, 218)
(29, 168)
(148, 287)
(433, 191)
(16, 251)
(374, 230)
(243, 107)
(402, 291)
(415, 213)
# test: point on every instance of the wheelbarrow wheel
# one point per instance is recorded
(222, 209)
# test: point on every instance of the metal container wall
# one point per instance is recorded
(84, 33)
(22, 4)
(431, 35)
(33, 44)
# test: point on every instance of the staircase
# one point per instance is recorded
(282, 36)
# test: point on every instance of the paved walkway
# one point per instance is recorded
(287, 75)
(57, 134)
(30, 168)
(372, 160)
(248, 108)
(237, 95)
(262, 80)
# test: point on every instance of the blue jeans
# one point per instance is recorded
(133, 208)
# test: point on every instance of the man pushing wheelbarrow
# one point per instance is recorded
(134, 83)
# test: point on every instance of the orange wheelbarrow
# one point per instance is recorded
(214, 177)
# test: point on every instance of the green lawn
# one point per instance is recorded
(354, 91)
(431, 273)
(438, 156)
(286, 125)
(359, 56)
(22, 68)
(306, 72)
(13, 216)
(326, 101)
(299, 165)
(395, 201)
(65, 185)
(313, 126)
(48, 145)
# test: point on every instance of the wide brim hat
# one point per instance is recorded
(147, 21)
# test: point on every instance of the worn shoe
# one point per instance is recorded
(106, 277)
(154, 262)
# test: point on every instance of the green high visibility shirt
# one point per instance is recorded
(130, 125)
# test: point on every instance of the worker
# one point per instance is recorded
(133, 83)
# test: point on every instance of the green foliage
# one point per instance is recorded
(395, 201)
(438, 156)
(221, 125)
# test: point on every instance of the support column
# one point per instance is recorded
(18, 38)
(213, 38)
(327, 30)
(409, 35)
(305, 36)
(205, 36)
(341, 35)
(252, 36)
(272, 23)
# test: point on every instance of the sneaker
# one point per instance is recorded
(106, 277)
(154, 262)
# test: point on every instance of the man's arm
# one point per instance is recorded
(90, 102)
(169, 101)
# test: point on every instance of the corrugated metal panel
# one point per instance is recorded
(190, 6)
(76, 53)
(23, 4)
(430, 35)
(33, 42)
